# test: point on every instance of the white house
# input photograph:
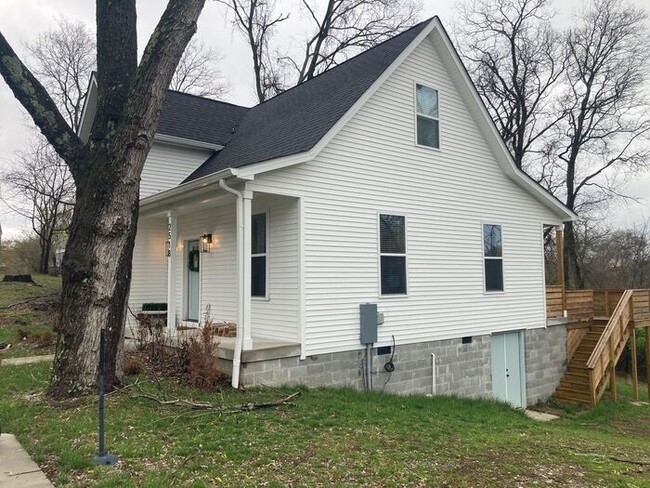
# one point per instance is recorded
(382, 181)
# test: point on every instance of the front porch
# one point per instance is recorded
(227, 256)
(599, 325)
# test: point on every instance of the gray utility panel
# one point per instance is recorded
(368, 318)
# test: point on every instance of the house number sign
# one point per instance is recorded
(169, 239)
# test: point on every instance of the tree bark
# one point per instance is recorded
(97, 273)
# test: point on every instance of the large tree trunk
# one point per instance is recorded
(44, 261)
(572, 272)
(97, 273)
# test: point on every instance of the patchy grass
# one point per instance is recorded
(328, 437)
(33, 320)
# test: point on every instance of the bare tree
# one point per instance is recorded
(63, 59)
(616, 258)
(347, 27)
(197, 72)
(106, 170)
(604, 135)
(40, 188)
(257, 22)
(343, 28)
(516, 59)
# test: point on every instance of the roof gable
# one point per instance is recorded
(296, 120)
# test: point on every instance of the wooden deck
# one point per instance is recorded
(600, 323)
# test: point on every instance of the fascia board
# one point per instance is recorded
(92, 92)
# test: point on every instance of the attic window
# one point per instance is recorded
(427, 117)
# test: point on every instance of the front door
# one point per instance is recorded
(508, 368)
(193, 262)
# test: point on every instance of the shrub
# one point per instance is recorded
(202, 357)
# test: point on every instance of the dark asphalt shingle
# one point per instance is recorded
(294, 121)
(198, 119)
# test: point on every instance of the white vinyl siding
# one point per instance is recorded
(372, 165)
(149, 280)
(167, 166)
(277, 317)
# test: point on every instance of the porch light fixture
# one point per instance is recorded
(206, 242)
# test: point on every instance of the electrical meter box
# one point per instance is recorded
(368, 322)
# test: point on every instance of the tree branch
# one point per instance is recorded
(40, 106)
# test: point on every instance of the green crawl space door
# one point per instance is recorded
(508, 368)
(193, 260)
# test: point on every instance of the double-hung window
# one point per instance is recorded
(258, 255)
(392, 254)
(427, 116)
(492, 257)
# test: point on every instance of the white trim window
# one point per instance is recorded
(427, 116)
(493, 257)
(392, 254)
(259, 261)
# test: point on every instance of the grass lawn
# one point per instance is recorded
(328, 437)
(26, 318)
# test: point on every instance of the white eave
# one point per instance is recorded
(184, 142)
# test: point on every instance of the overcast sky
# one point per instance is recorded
(23, 20)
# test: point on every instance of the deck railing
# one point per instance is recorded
(608, 350)
(617, 313)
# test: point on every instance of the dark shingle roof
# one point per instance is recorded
(295, 120)
(199, 119)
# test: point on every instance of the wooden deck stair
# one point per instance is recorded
(600, 344)
(574, 387)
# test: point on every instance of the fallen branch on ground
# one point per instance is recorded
(43, 300)
(223, 409)
(631, 461)
(614, 458)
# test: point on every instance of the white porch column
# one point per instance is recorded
(172, 236)
(246, 327)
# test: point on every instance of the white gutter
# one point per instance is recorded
(236, 360)
(184, 142)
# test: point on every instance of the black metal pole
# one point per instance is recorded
(102, 456)
(100, 385)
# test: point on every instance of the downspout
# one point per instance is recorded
(236, 360)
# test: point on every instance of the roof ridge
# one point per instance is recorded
(346, 61)
(207, 98)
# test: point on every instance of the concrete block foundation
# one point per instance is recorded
(463, 369)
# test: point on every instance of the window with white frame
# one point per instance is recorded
(258, 255)
(427, 116)
(392, 254)
(492, 257)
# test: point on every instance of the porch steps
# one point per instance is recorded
(574, 387)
